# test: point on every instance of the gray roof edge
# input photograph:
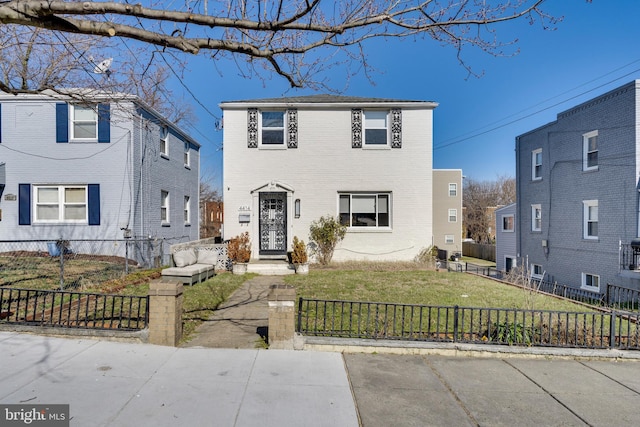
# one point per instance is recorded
(326, 101)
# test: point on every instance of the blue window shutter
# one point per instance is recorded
(104, 123)
(94, 204)
(62, 122)
(24, 204)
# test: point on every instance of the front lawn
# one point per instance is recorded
(424, 287)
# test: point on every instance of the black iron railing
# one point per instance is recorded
(377, 320)
(621, 298)
(629, 257)
(73, 309)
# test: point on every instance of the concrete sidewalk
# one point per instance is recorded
(204, 384)
(118, 384)
(464, 391)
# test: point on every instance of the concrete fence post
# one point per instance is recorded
(282, 317)
(165, 313)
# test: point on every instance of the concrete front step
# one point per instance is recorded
(270, 268)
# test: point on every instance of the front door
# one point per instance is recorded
(273, 223)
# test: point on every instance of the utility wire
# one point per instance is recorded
(459, 140)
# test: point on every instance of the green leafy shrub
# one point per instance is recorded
(512, 333)
(326, 233)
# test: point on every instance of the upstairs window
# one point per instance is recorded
(508, 223)
(164, 141)
(453, 189)
(84, 123)
(187, 155)
(375, 128)
(365, 210)
(590, 151)
(536, 164)
(272, 128)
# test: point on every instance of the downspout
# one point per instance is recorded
(140, 184)
(518, 200)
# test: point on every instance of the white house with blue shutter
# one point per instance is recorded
(368, 161)
(93, 167)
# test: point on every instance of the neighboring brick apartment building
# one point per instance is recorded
(447, 210)
(578, 193)
(211, 220)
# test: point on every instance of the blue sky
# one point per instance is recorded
(594, 49)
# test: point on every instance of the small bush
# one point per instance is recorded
(239, 248)
(326, 233)
(299, 254)
(513, 333)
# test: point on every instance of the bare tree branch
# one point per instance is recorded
(282, 33)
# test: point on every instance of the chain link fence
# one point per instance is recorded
(75, 264)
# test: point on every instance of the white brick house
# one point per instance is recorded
(288, 161)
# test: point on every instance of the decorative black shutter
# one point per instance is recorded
(94, 204)
(104, 123)
(62, 122)
(24, 204)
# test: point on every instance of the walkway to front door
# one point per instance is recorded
(241, 321)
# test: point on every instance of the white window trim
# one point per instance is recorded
(586, 204)
(513, 223)
(60, 204)
(165, 203)
(371, 228)
(72, 122)
(533, 217)
(455, 189)
(187, 155)
(387, 128)
(585, 151)
(534, 154)
(187, 210)
(164, 139)
(583, 283)
(534, 274)
(449, 239)
(282, 146)
(455, 215)
(514, 264)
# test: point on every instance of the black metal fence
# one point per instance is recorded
(621, 298)
(73, 309)
(74, 264)
(614, 297)
(376, 320)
